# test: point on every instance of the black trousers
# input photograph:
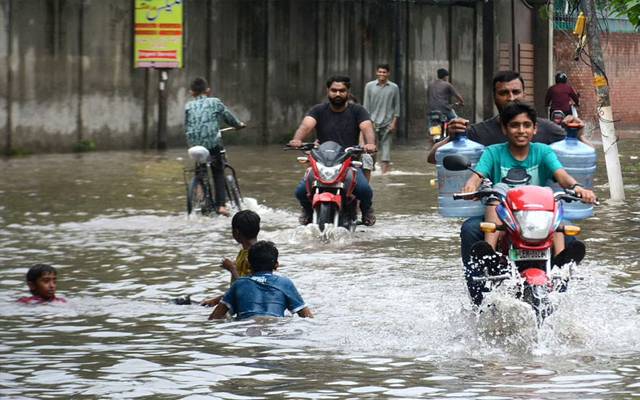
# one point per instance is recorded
(217, 170)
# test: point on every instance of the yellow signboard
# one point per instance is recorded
(158, 34)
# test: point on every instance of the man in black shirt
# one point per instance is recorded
(339, 121)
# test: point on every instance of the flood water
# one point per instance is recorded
(393, 318)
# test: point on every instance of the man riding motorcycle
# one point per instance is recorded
(519, 125)
(339, 121)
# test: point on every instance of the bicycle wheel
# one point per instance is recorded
(233, 191)
(199, 197)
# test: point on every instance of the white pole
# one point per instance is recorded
(610, 147)
(605, 115)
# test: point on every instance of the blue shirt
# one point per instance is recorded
(541, 163)
(262, 294)
(202, 118)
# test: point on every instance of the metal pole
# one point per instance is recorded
(605, 113)
(163, 77)
(9, 99)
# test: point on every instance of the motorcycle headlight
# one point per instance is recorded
(534, 225)
(329, 173)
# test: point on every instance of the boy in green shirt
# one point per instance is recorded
(519, 125)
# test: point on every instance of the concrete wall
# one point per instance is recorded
(66, 65)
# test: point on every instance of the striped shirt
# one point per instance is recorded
(202, 118)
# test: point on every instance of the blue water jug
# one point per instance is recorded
(450, 182)
(579, 160)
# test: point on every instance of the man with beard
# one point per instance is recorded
(508, 86)
(339, 121)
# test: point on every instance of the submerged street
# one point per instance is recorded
(393, 318)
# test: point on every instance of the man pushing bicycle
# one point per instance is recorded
(202, 117)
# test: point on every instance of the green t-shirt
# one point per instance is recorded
(541, 163)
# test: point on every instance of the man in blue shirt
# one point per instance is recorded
(519, 125)
(262, 293)
(202, 118)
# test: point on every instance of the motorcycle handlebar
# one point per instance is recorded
(485, 192)
(354, 150)
(464, 196)
(570, 195)
(310, 145)
(304, 147)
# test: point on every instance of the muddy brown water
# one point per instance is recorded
(392, 314)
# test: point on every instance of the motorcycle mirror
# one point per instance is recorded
(456, 162)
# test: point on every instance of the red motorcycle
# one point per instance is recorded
(330, 180)
(530, 216)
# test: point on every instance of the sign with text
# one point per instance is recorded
(158, 34)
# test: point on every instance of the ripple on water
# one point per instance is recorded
(393, 317)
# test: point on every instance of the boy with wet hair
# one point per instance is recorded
(245, 226)
(262, 293)
(42, 282)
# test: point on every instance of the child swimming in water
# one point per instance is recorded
(42, 282)
(245, 227)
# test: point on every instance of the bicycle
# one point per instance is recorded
(199, 188)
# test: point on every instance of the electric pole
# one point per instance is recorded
(605, 113)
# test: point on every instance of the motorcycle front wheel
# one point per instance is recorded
(537, 296)
(326, 214)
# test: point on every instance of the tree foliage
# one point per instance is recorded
(622, 8)
(627, 8)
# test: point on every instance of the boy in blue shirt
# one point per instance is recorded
(202, 118)
(262, 293)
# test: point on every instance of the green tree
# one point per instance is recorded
(628, 8)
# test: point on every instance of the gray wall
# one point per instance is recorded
(66, 65)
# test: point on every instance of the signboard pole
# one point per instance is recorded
(163, 78)
(158, 45)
